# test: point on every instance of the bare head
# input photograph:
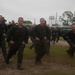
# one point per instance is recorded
(20, 21)
(42, 21)
(54, 28)
(12, 22)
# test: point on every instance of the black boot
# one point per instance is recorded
(7, 61)
(19, 67)
(38, 62)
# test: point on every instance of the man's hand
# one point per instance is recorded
(4, 34)
(45, 38)
(23, 42)
(11, 42)
(37, 38)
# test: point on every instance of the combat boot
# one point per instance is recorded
(19, 67)
(7, 61)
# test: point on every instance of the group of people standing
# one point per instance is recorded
(17, 36)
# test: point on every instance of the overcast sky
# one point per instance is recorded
(34, 9)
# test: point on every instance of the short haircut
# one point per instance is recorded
(20, 18)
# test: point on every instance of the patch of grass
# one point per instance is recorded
(61, 39)
(59, 73)
(59, 55)
(29, 53)
(58, 63)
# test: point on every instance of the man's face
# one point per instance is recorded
(20, 21)
(73, 28)
(12, 22)
(42, 21)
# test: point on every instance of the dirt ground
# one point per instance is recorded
(62, 43)
(30, 68)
